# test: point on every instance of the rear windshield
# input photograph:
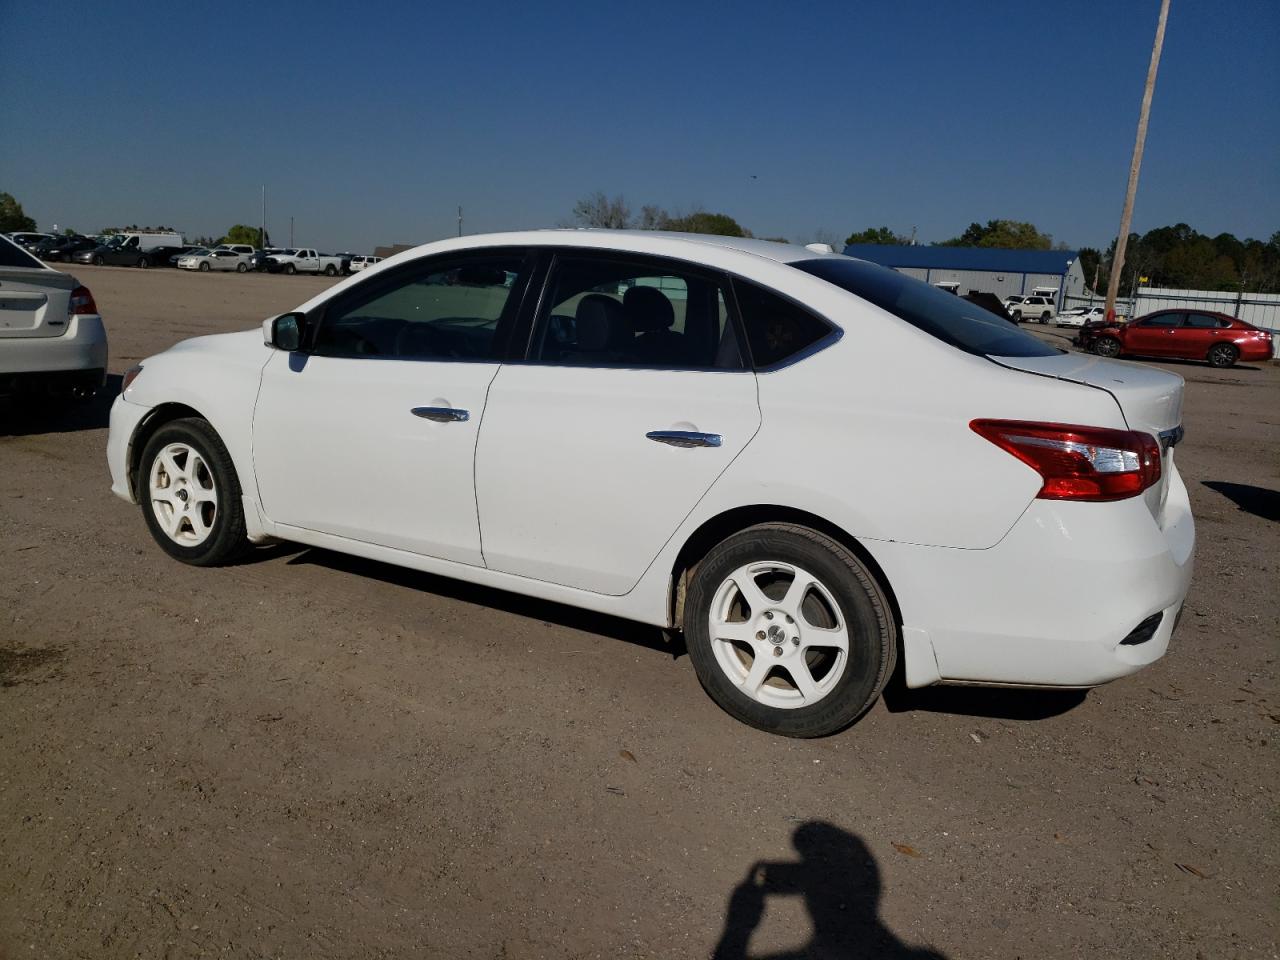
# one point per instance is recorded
(12, 255)
(943, 315)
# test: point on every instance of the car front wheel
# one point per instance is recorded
(1107, 347)
(190, 495)
(788, 631)
(1222, 355)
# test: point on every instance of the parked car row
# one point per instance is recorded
(159, 249)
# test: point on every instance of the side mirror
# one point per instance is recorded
(283, 332)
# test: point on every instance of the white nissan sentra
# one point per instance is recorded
(809, 464)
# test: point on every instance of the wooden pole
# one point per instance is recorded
(1126, 218)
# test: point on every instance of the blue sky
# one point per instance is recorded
(369, 123)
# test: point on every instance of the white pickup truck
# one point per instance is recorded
(304, 260)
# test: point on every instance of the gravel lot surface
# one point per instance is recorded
(309, 755)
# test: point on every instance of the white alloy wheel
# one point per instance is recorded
(778, 634)
(184, 497)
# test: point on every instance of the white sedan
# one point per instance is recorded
(217, 259)
(811, 465)
(1079, 316)
(53, 345)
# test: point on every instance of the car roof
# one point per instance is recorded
(623, 240)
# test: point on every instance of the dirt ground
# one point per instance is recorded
(309, 755)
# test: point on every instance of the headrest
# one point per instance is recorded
(648, 309)
(599, 321)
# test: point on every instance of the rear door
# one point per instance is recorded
(34, 300)
(635, 397)
(1200, 332)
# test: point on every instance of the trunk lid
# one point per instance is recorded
(1149, 399)
(34, 303)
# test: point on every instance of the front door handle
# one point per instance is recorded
(684, 438)
(442, 414)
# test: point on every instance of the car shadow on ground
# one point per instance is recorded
(838, 880)
(997, 703)
(30, 416)
(1259, 501)
(640, 634)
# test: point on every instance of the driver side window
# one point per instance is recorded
(455, 309)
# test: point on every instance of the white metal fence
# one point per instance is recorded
(1259, 309)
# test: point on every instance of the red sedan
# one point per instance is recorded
(1186, 334)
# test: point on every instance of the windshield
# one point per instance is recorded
(940, 314)
(198, 252)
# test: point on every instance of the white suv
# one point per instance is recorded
(52, 340)
(1040, 309)
(810, 464)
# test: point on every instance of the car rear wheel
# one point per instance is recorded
(1222, 355)
(143, 263)
(190, 494)
(242, 268)
(1107, 347)
(1044, 317)
(331, 271)
(788, 631)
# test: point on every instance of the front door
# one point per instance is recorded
(370, 433)
(1154, 336)
(635, 398)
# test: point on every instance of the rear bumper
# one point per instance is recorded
(77, 356)
(1050, 604)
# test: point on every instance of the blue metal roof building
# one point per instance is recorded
(982, 269)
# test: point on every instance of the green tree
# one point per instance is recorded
(700, 221)
(242, 234)
(12, 216)
(1006, 234)
(877, 235)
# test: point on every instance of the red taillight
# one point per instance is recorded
(1079, 463)
(81, 302)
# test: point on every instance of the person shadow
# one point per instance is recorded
(839, 881)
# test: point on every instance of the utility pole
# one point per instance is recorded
(1126, 218)
(459, 220)
(291, 231)
(263, 239)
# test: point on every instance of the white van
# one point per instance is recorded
(150, 241)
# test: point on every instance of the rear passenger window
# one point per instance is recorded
(1206, 321)
(612, 312)
(445, 311)
(777, 329)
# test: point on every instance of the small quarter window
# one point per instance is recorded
(777, 329)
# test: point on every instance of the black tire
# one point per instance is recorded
(863, 605)
(204, 268)
(242, 267)
(143, 263)
(99, 261)
(1045, 317)
(1106, 347)
(1017, 315)
(290, 269)
(226, 540)
(331, 271)
(1222, 355)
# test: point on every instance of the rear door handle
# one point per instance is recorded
(442, 414)
(684, 438)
